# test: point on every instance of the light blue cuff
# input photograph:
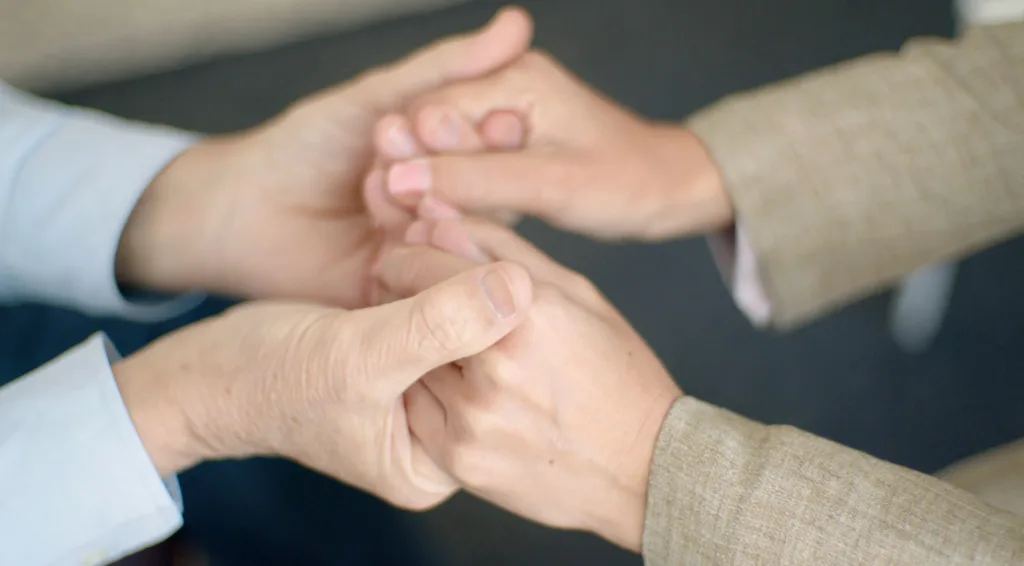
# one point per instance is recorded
(79, 487)
(69, 180)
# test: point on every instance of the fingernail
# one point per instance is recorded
(499, 293)
(418, 233)
(435, 209)
(409, 178)
(446, 131)
(400, 142)
(503, 130)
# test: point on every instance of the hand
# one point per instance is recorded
(277, 211)
(558, 421)
(317, 385)
(588, 165)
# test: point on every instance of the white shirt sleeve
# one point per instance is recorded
(69, 179)
(77, 485)
(738, 265)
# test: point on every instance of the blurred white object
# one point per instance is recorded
(920, 304)
(989, 11)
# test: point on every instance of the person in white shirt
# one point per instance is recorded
(92, 207)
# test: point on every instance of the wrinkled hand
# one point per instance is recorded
(586, 164)
(277, 211)
(317, 385)
(557, 422)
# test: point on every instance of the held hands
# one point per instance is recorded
(543, 400)
(557, 421)
(277, 211)
(317, 385)
(532, 138)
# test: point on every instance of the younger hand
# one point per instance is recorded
(586, 164)
(557, 422)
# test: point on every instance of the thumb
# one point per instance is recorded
(461, 57)
(455, 319)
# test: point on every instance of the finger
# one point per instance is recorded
(521, 182)
(504, 217)
(394, 140)
(504, 39)
(438, 250)
(382, 210)
(430, 484)
(442, 323)
(448, 386)
(500, 243)
(451, 236)
(504, 130)
(442, 129)
(504, 244)
(430, 476)
(434, 209)
(427, 421)
(406, 270)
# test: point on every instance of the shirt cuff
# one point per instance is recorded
(75, 469)
(738, 265)
(80, 174)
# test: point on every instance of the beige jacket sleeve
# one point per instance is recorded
(726, 490)
(846, 179)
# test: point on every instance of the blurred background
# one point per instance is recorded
(842, 377)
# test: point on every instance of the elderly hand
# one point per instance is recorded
(586, 164)
(277, 211)
(317, 385)
(557, 422)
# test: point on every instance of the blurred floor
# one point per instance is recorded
(841, 377)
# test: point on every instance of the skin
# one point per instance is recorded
(277, 211)
(280, 378)
(555, 149)
(556, 422)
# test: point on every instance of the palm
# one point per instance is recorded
(292, 223)
(306, 233)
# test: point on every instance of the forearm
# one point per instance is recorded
(851, 177)
(726, 490)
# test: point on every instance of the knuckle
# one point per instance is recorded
(501, 373)
(441, 325)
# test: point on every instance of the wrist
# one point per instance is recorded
(621, 515)
(156, 416)
(165, 245)
(693, 192)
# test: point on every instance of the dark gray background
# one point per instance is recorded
(841, 377)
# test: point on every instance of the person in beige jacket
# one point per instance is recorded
(819, 190)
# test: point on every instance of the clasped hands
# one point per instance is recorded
(484, 364)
